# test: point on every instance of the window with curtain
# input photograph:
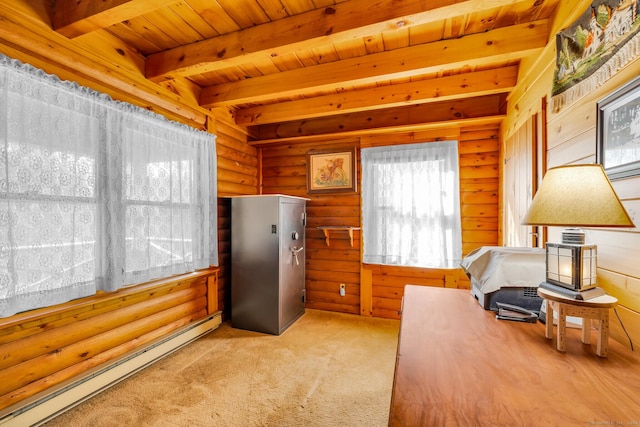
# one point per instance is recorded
(95, 194)
(411, 205)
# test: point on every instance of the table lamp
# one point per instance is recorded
(575, 196)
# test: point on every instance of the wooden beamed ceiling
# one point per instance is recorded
(298, 69)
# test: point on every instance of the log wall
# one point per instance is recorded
(44, 348)
(284, 172)
(382, 287)
(118, 75)
(238, 174)
(373, 290)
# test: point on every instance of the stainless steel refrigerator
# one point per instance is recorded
(267, 262)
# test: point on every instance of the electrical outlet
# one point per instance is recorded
(342, 289)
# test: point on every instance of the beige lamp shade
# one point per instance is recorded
(577, 196)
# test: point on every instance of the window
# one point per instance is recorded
(164, 193)
(95, 194)
(157, 215)
(410, 204)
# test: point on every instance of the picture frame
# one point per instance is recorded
(618, 131)
(331, 171)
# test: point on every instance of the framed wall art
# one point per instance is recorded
(331, 171)
(618, 131)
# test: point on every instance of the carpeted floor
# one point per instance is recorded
(327, 369)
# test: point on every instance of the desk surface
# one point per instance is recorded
(458, 365)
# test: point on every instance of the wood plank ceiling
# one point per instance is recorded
(296, 68)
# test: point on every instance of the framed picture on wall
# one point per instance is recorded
(618, 131)
(331, 171)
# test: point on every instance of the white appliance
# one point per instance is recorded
(506, 274)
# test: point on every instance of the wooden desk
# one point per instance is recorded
(457, 365)
(596, 309)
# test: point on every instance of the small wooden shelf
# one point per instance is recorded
(327, 228)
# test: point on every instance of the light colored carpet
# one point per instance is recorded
(327, 369)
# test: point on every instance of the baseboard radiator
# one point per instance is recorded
(40, 408)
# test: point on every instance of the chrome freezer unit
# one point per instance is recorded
(267, 262)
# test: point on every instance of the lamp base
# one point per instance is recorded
(576, 295)
(572, 266)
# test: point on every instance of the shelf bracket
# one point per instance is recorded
(327, 228)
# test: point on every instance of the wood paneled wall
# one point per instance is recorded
(618, 251)
(572, 140)
(238, 166)
(238, 174)
(479, 151)
(44, 348)
(284, 172)
(224, 256)
(479, 186)
(381, 288)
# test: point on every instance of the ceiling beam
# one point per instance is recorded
(73, 18)
(421, 115)
(502, 44)
(457, 86)
(345, 21)
(395, 130)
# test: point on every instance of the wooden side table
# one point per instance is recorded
(595, 308)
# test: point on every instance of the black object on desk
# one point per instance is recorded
(515, 313)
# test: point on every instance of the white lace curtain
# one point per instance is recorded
(411, 205)
(95, 194)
